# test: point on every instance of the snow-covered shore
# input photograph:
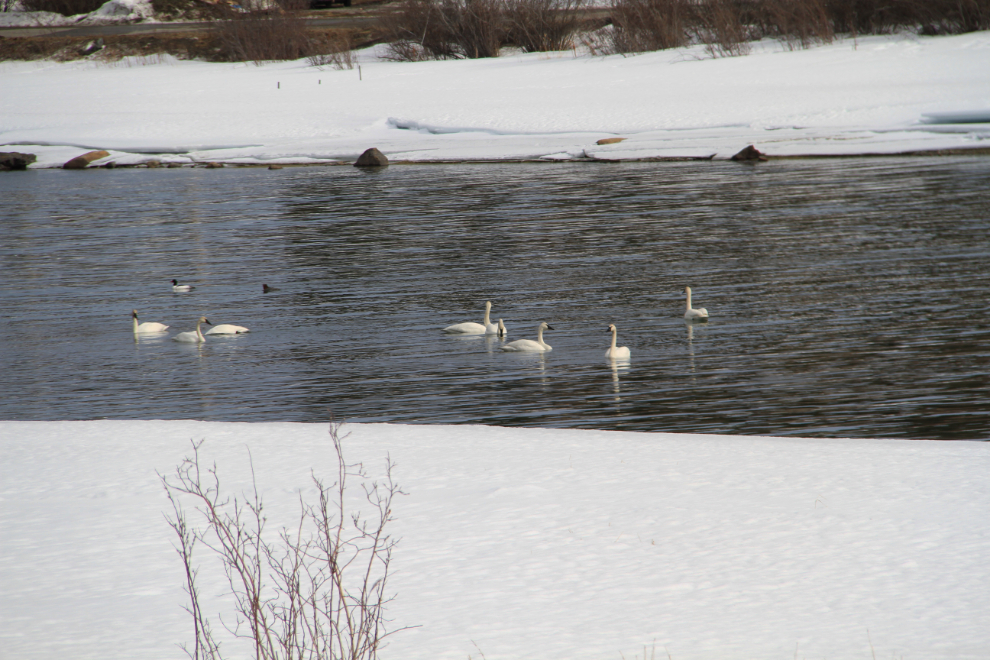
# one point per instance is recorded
(528, 543)
(873, 95)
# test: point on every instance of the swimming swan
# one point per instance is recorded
(530, 345)
(180, 288)
(227, 329)
(148, 327)
(616, 352)
(193, 337)
(471, 328)
(700, 314)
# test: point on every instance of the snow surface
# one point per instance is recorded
(528, 543)
(854, 96)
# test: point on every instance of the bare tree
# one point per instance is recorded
(319, 591)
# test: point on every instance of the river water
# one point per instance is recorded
(848, 297)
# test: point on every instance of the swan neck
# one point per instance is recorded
(614, 333)
(135, 324)
(688, 291)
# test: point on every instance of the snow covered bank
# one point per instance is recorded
(869, 95)
(530, 543)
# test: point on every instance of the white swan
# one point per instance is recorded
(529, 344)
(180, 288)
(191, 336)
(471, 328)
(616, 352)
(700, 314)
(148, 327)
(227, 329)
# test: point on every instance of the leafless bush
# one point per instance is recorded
(318, 593)
(336, 52)
(543, 25)
(646, 25)
(418, 30)
(64, 7)
(796, 22)
(444, 29)
(479, 27)
(719, 25)
(926, 16)
(263, 36)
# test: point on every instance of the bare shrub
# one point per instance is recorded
(263, 36)
(719, 25)
(444, 29)
(417, 30)
(647, 25)
(319, 592)
(336, 51)
(64, 7)
(795, 22)
(479, 27)
(543, 25)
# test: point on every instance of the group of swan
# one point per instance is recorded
(614, 351)
(197, 335)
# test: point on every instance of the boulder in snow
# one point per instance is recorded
(14, 160)
(750, 153)
(82, 162)
(372, 158)
(610, 140)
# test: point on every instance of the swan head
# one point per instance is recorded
(501, 328)
(203, 319)
(545, 326)
(611, 327)
(134, 313)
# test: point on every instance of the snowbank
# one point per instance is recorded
(854, 96)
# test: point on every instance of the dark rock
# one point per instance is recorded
(174, 165)
(610, 140)
(372, 158)
(110, 166)
(153, 163)
(82, 162)
(213, 166)
(274, 167)
(14, 160)
(266, 289)
(750, 153)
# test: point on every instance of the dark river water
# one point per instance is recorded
(848, 297)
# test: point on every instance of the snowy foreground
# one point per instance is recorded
(529, 543)
(886, 94)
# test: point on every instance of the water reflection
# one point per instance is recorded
(617, 365)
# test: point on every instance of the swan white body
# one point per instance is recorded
(227, 329)
(700, 314)
(616, 352)
(180, 288)
(193, 336)
(528, 344)
(471, 328)
(148, 327)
